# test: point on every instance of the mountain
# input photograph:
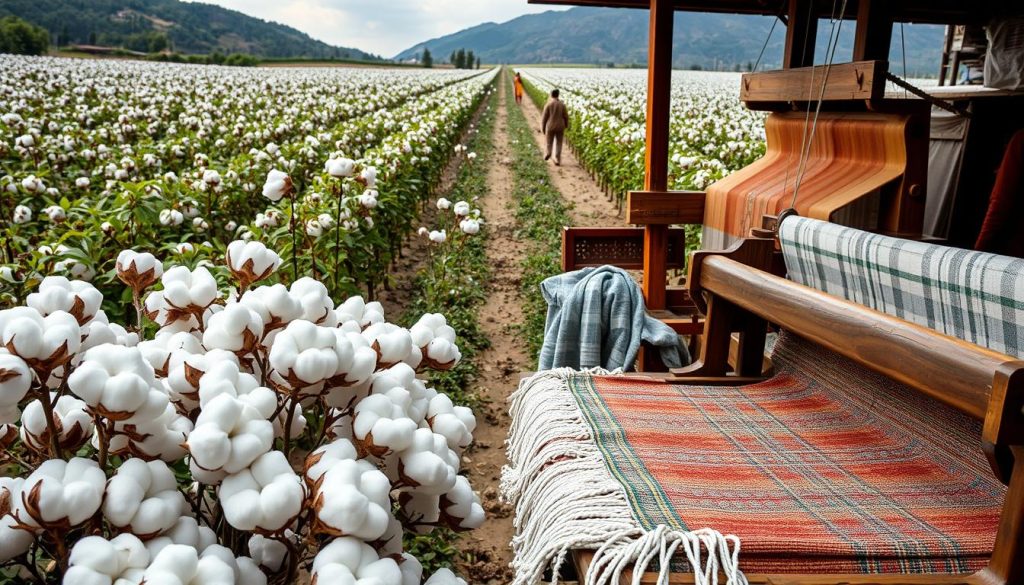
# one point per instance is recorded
(710, 41)
(155, 25)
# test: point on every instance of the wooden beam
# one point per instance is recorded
(874, 31)
(860, 80)
(618, 246)
(659, 208)
(659, 104)
(801, 32)
(950, 370)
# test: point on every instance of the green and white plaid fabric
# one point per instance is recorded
(975, 296)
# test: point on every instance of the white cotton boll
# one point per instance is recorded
(304, 354)
(340, 167)
(99, 332)
(391, 342)
(267, 552)
(143, 497)
(249, 572)
(347, 560)
(158, 351)
(13, 541)
(30, 336)
(422, 510)
(444, 577)
(428, 463)
(116, 382)
(185, 289)
(186, 369)
(443, 204)
(22, 214)
(317, 306)
(319, 461)
(251, 261)
(161, 438)
(186, 531)
(162, 313)
(227, 378)
(277, 185)
(237, 329)
(75, 424)
(455, 423)
(276, 306)
(352, 499)
(267, 496)
(438, 236)
(460, 507)
(368, 200)
(381, 426)
(15, 380)
(120, 560)
(314, 229)
(470, 226)
(229, 435)
(171, 217)
(400, 384)
(56, 293)
(63, 491)
(211, 177)
(179, 564)
(442, 353)
(412, 570)
(369, 177)
(461, 209)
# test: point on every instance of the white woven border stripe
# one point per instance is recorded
(565, 499)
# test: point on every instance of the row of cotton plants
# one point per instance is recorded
(712, 133)
(260, 433)
(326, 166)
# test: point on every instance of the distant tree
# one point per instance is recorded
(470, 60)
(478, 62)
(21, 38)
(460, 59)
(427, 60)
(750, 65)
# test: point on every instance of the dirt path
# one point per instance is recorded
(591, 208)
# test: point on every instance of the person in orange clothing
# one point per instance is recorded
(518, 81)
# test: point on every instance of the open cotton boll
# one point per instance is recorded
(277, 185)
(95, 559)
(349, 560)
(267, 552)
(352, 499)
(15, 380)
(61, 491)
(158, 350)
(143, 497)
(189, 289)
(267, 496)
(304, 354)
(186, 370)
(229, 435)
(455, 423)
(460, 507)
(442, 354)
(317, 306)
(118, 383)
(276, 307)
(13, 541)
(428, 464)
(43, 342)
(382, 426)
(56, 293)
(246, 572)
(412, 570)
(361, 366)
(186, 531)
(179, 564)
(227, 378)
(237, 329)
(358, 310)
(158, 310)
(161, 438)
(251, 261)
(399, 382)
(74, 424)
(340, 167)
(139, 270)
(422, 510)
(445, 576)
(391, 342)
(318, 462)
(99, 331)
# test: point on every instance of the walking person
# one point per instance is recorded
(554, 123)
(518, 82)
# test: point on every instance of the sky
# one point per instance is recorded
(384, 27)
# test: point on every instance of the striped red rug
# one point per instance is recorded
(826, 467)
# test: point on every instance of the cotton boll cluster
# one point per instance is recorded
(120, 560)
(352, 499)
(444, 577)
(436, 340)
(71, 421)
(61, 493)
(57, 293)
(251, 261)
(143, 498)
(229, 435)
(348, 560)
(361, 313)
(44, 343)
(277, 186)
(118, 384)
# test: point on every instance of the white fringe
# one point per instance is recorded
(565, 499)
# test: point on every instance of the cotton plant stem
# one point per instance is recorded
(51, 425)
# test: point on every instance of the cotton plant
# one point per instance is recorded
(238, 433)
(457, 225)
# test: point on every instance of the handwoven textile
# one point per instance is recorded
(974, 296)
(596, 318)
(826, 467)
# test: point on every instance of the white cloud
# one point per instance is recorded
(384, 27)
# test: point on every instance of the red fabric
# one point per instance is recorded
(1002, 232)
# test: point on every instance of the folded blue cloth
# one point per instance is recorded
(597, 318)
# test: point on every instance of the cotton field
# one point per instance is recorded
(196, 386)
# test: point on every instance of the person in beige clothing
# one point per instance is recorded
(554, 123)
